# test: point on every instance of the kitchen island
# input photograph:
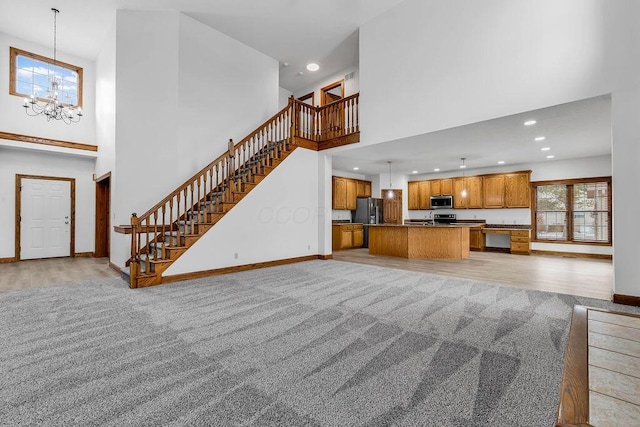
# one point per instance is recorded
(420, 241)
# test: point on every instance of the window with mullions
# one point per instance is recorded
(573, 211)
(32, 74)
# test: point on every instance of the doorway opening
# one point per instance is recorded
(332, 92)
(103, 215)
(45, 217)
(332, 121)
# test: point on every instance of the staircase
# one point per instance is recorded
(165, 232)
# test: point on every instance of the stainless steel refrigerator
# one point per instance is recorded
(368, 211)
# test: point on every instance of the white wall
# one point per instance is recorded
(106, 105)
(46, 163)
(626, 190)
(325, 190)
(13, 118)
(283, 97)
(278, 219)
(471, 61)
(182, 90)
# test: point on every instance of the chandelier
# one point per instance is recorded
(51, 107)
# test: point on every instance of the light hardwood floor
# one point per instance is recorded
(576, 276)
(52, 272)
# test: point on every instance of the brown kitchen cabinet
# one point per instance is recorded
(477, 239)
(520, 242)
(347, 236)
(446, 186)
(493, 191)
(352, 194)
(473, 199)
(413, 195)
(517, 192)
(339, 193)
(347, 190)
(424, 194)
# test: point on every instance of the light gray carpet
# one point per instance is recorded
(321, 343)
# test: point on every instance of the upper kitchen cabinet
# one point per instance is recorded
(446, 186)
(413, 196)
(441, 187)
(517, 190)
(352, 194)
(347, 190)
(473, 198)
(493, 191)
(339, 193)
(363, 188)
(424, 194)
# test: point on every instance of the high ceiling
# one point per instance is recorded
(295, 32)
(326, 31)
(573, 130)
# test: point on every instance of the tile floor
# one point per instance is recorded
(52, 271)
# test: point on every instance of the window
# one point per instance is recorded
(31, 74)
(573, 211)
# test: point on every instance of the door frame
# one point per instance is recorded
(102, 239)
(330, 86)
(311, 95)
(18, 192)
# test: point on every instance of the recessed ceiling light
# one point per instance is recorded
(414, 172)
(501, 162)
(436, 170)
(463, 166)
(545, 149)
(540, 138)
(313, 67)
(530, 122)
(551, 156)
(356, 168)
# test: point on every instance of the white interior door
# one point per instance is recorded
(45, 210)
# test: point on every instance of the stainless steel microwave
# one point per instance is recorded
(441, 202)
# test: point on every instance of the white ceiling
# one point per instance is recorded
(293, 31)
(572, 130)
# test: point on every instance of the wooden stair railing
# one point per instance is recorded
(163, 233)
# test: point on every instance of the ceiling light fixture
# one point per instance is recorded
(545, 149)
(540, 138)
(530, 123)
(356, 168)
(464, 183)
(501, 162)
(51, 107)
(414, 172)
(436, 170)
(551, 156)
(313, 67)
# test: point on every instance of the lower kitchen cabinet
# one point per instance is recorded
(476, 239)
(521, 242)
(347, 236)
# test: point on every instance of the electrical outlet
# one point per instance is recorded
(235, 255)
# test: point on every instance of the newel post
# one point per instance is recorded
(134, 265)
(293, 114)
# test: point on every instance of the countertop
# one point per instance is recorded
(347, 223)
(425, 225)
